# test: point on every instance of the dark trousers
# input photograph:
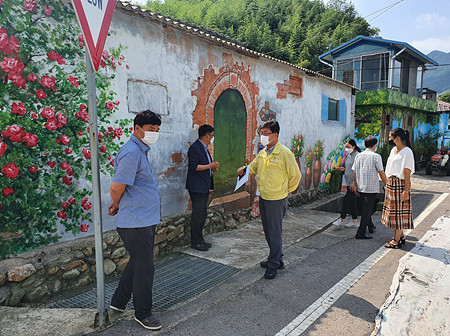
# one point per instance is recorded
(199, 207)
(368, 201)
(137, 278)
(349, 204)
(272, 214)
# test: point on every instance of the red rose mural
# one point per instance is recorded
(11, 171)
(18, 108)
(43, 111)
(3, 148)
(30, 140)
(7, 191)
(48, 82)
(40, 94)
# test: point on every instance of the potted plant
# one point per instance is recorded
(309, 156)
(317, 167)
(297, 146)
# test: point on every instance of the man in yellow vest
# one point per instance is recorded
(278, 175)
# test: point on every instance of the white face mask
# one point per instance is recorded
(212, 140)
(150, 138)
(349, 150)
(264, 140)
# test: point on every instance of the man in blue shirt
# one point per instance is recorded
(137, 203)
(200, 183)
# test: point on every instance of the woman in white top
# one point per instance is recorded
(397, 211)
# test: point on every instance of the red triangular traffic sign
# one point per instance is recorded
(94, 17)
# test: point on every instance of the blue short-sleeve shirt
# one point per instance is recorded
(140, 205)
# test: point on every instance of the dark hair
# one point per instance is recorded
(353, 143)
(404, 135)
(272, 125)
(370, 141)
(205, 129)
(147, 117)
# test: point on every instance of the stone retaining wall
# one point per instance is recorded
(38, 274)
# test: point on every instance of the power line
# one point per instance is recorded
(400, 6)
(338, 27)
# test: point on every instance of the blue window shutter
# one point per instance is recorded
(324, 107)
(342, 110)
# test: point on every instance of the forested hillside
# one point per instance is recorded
(297, 31)
(438, 79)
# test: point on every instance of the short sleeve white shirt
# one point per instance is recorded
(397, 162)
(367, 166)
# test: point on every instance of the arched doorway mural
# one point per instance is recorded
(230, 118)
(210, 86)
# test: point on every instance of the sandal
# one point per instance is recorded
(393, 246)
(402, 240)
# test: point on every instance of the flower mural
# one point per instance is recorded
(298, 143)
(334, 160)
(44, 155)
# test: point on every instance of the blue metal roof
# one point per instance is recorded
(328, 56)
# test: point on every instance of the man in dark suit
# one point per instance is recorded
(200, 183)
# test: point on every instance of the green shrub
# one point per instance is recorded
(426, 144)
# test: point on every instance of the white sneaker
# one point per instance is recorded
(352, 224)
(338, 222)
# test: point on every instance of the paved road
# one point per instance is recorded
(246, 304)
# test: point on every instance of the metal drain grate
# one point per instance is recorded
(176, 280)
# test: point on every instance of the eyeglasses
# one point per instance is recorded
(265, 133)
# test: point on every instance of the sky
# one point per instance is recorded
(424, 24)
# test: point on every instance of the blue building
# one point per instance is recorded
(389, 76)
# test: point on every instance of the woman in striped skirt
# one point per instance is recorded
(397, 211)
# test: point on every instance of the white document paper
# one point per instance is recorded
(242, 179)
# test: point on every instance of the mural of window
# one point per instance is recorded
(333, 109)
(375, 72)
(386, 120)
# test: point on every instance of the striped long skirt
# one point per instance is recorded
(396, 214)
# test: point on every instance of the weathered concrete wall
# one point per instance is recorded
(174, 74)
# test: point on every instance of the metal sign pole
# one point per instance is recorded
(101, 318)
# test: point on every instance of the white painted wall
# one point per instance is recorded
(163, 75)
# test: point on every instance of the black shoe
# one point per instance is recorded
(200, 247)
(117, 309)
(150, 323)
(363, 237)
(208, 245)
(270, 273)
(372, 229)
(263, 264)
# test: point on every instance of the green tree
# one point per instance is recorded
(297, 31)
(445, 97)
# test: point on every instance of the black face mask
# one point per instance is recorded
(391, 143)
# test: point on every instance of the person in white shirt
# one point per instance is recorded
(397, 210)
(368, 168)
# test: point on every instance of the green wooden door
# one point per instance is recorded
(230, 119)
